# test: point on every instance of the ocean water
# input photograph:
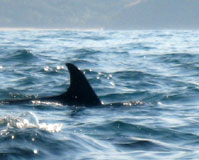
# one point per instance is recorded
(159, 68)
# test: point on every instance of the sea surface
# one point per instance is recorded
(159, 69)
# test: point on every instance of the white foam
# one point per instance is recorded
(28, 120)
(37, 102)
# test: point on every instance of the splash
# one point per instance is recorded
(28, 120)
(37, 102)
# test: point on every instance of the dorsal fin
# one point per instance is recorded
(80, 92)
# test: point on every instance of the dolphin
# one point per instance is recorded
(79, 93)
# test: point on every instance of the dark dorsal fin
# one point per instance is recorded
(80, 92)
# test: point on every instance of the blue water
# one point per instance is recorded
(160, 69)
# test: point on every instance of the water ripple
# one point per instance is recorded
(158, 68)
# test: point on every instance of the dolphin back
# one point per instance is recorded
(79, 93)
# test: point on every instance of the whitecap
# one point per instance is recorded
(27, 120)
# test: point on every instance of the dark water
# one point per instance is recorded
(158, 68)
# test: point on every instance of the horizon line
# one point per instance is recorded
(85, 29)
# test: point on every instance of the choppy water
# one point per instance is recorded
(158, 68)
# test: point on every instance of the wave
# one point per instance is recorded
(19, 56)
(24, 55)
(22, 136)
